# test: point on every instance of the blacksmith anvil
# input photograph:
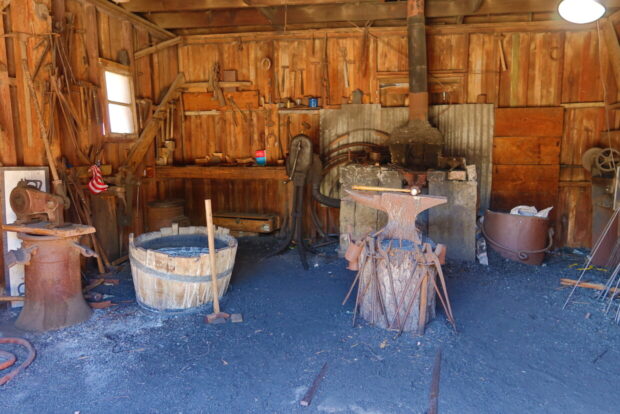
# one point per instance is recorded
(398, 284)
(30, 204)
(402, 210)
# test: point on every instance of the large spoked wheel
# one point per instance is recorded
(607, 160)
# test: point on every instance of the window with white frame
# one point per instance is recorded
(119, 100)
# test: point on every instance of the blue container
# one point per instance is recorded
(313, 102)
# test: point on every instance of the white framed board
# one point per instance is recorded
(9, 178)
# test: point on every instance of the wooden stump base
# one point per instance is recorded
(397, 285)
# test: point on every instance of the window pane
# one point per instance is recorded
(117, 87)
(121, 119)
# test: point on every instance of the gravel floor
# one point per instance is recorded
(516, 350)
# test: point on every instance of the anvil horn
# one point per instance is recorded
(367, 199)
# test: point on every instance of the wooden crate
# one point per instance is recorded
(247, 222)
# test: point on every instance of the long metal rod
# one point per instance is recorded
(591, 255)
(603, 294)
(433, 404)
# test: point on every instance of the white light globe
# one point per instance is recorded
(581, 11)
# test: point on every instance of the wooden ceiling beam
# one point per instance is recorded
(293, 15)
(143, 6)
(354, 12)
(220, 18)
(435, 8)
(527, 6)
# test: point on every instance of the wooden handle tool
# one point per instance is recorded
(413, 191)
(211, 237)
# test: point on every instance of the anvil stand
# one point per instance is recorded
(51, 255)
(398, 273)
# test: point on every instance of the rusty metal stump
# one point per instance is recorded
(54, 297)
(53, 281)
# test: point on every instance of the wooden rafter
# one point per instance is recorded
(114, 10)
(177, 14)
(298, 14)
(144, 6)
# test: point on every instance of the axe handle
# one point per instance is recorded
(211, 240)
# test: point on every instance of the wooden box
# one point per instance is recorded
(247, 222)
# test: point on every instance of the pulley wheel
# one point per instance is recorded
(607, 160)
(587, 158)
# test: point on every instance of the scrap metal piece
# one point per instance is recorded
(433, 403)
(313, 388)
(11, 358)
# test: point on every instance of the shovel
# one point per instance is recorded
(217, 316)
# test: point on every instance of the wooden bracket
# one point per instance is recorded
(142, 144)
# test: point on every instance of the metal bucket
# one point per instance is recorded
(523, 239)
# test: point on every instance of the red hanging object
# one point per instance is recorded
(96, 184)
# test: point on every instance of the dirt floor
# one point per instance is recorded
(516, 350)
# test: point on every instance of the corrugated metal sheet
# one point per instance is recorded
(468, 132)
(357, 120)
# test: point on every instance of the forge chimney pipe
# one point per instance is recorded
(418, 82)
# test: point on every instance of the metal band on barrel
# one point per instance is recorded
(175, 277)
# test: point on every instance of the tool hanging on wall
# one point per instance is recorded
(57, 183)
(345, 67)
(326, 85)
(166, 144)
(214, 76)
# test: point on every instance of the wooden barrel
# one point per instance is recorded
(163, 213)
(170, 267)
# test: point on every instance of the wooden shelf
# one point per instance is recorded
(300, 110)
(222, 173)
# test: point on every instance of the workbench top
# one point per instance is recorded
(226, 173)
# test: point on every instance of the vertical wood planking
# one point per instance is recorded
(8, 150)
(513, 80)
(483, 70)
(581, 80)
(445, 53)
(544, 83)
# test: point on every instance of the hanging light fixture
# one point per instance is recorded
(581, 11)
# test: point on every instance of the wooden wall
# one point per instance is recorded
(547, 70)
(90, 32)
(556, 77)
(20, 140)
